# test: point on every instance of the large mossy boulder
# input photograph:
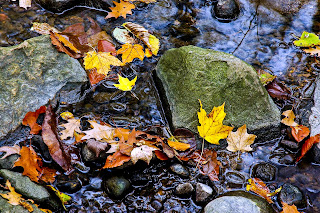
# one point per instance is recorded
(31, 74)
(190, 73)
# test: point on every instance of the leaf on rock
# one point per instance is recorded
(115, 160)
(43, 28)
(177, 145)
(211, 127)
(143, 152)
(265, 77)
(289, 118)
(259, 187)
(130, 52)
(31, 120)
(51, 139)
(96, 146)
(10, 150)
(286, 208)
(13, 197)
(240, 140)
(60, 46)
(99, 131)
(125, 84)
(121, 9)
(64, 198)
(307, 40)
(300, 132)
(308, 145)
(141, 33)
(101, 61)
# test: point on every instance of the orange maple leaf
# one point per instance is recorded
(130, 52)
(121, 9)
(31, 120)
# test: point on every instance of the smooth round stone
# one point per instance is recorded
(179, 170)
(264, 171)
(226, 10)
(184, 189)
(291, 194)
(117, 186)
(203, 192)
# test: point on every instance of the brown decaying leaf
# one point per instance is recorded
(61, 48)
(259, 187)
(143, 152)
(127, 146)
(308, 145)
(51, 139)
(96, 146)
(160, 155)
(94, 39)
(10, 150)
(286, 208)
(48, 175)
(31, 120)
(277, 90)
(99, 132)
(240, 140)
(300, 132)
(289, 118)
(115, 160)
(121, 9)
(168, 150)
(94, 76)
(106, 46)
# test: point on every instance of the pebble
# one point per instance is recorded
(235, 179)
(179, 170)
(291, 194)
(203, 192)
(264, 171)
(117, 186)
(184, 189)
(226, 10)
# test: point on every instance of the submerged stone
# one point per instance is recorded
(31, 74)
(190, 73)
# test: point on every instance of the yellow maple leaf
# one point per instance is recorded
(211, 127)
(289, 118)
(125, 84)
(130, 52)
(101, 61)
(13, 197)
(121, 9)
(240, 140)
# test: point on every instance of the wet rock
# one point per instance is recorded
(226, 10)
(184, 189)
(203, 192)
(315, 153)
(8, 162)
(314, 120)
(290, 144)
(33, 72)
(96, 183)
(7, 207)
(238, 202)
(23, 185)
(214, 77)
(264, 171)
(235, 179)
(291, 194)
(283, 6)
(87, 154)
(179, 170)
(116, 186)
(156, 205)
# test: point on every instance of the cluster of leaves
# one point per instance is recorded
(309, 42)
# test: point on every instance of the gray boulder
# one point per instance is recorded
(190, 73)
(31, 74)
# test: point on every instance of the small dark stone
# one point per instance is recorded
(116, 186)
(184, 189)
(203, 192)
(316, 153)
(156, 205)
(264, 171)
(291, 194)
(235, 179)
(287, 159)
(226, 10)
(179, 170)
(290, 144)
(69, 186)
(8, 162)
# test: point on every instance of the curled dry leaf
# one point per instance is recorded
(143, 152)
(240, 140)
(122, 8)
(115, 160)
(31, 120)
(289, 118)
(10, 150)
(259, 187)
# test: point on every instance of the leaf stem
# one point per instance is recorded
(202, 147)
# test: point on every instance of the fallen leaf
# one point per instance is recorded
(286, 208)
(106, 46)
(141, 33)
(211, 127)
(51, 139)
(177, 145)
(143, 152)
(148, 53)
(130, 52)
(96, 146)
(26, 205)
(64, 198)
(123, 36)
(62, 48)
(94, 76)
(313, 50)
(126, 146)
(95, 38)
(289, 118)
(300, 132)
(307, 40)
(13, 197)
(99, 132)
(265, 77)
(65, 41)
(168, 150)
(10, 150)
(160, 155)
(101, 61)
(31, 120)
(125, 84)
(121, 9)
(115, 160)
(144, 1)
(25, 3)
(114, 148)
(308, 145)
(43, 28)
(278, 90)
(47, 174)
(240, 140)
(70, 128)
(259, 187)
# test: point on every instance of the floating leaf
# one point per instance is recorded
(122, 8)
(240, 140)
(125, 84)
(130, 52)
(278, 90)
(307, 40)
(31, 120)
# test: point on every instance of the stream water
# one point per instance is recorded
(260, 35)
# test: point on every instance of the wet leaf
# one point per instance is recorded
(141, 33)
(96, 146)
(70, 128)
(106, 46)
(160, 155)
(286, 208)
(115, 160)
(10, 150)
(265, 77)
(307, 40)
(99, 132)
(64, 198)
(313, 50)
(51, 139)
(308, 145)
(95, 38)
(143, 152)
(126, 146)
(101, 61)
(94, 76)
(47, 174)
(168, 150)
(300, 132)
(130, 52)
(211, 127)
(122, 8)
(60, 46)
(123, 36)
(43, 28)
(289, 118)
(177, 145)
(277, 90)
(259, 187)
(31, 120)
(13, 197)
(125, 84)
(145, 1)
(240, 140)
